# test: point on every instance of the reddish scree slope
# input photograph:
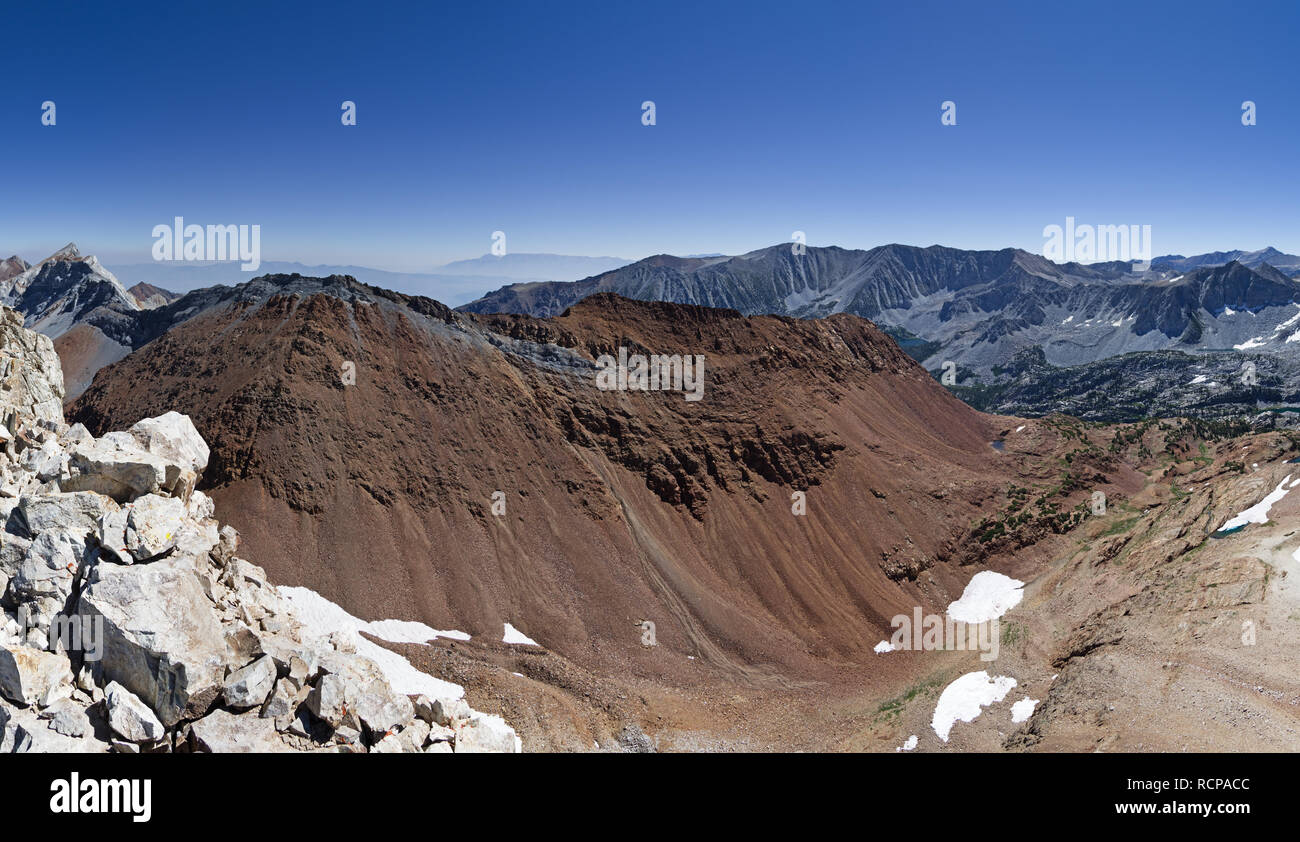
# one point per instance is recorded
(621, 507)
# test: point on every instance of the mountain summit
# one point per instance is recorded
(11, 267)
(74, 300)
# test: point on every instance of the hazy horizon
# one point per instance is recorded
(453, 285)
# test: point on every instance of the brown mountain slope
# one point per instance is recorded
(84, 350)
(149, 296)
(1152, 629)
(620, 506)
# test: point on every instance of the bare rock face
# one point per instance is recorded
(485, 733)
(225, 732)
(248, 687)
(130, 718)
(31, 377)
(164, 454)
(162, 635)
(114, 569)
(31, 677)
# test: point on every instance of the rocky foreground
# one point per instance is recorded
(131, 624)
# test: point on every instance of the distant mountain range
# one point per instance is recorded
(453, 283)
(976, 314)
(1288, 263)
(973, 312)
(95, 319)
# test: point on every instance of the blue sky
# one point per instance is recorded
(526, 118)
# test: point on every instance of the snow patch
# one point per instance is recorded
(1023, 709)
(405, 631)
(1286, 324)
(514, 635)
(965, 699)
(908, 744)
(321, 618)
(883, 647)
(1258, 513)
(988, 596)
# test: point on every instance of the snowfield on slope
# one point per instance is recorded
(321, 618)
(1258, 513)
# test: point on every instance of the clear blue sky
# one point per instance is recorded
(772, 117)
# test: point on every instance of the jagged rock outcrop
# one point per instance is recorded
(31, 378)
(130, 624)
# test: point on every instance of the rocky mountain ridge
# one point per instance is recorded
(74, 300)
(66, 289)
(976, 308)
(971, 314)
(1288, 263)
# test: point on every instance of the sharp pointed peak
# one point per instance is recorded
(68, 252)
